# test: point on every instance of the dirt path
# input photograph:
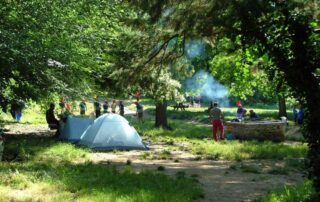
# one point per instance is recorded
(222, 181)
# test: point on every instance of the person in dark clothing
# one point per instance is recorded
(295, 114)
(4, 104)
(97, 107)
(83, 107)
(253, 115)
(105, 106)
(121, 108)
(19, 107)
(51, 120)
(13, 108)
(300, 116)
(241, 112)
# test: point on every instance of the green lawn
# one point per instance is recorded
(43, 169)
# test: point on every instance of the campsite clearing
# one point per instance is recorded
(221, 180)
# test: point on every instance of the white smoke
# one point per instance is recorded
(195, 48)
(202, 83)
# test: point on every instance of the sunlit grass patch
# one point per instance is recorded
(235, 150)
(302, 193)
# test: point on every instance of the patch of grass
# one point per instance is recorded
(56, 171)
(165, 154)
(302, 193)
(235, 150)
(161, 168)
(250, 169)
(145, 155)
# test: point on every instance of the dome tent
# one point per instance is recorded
(111, 131)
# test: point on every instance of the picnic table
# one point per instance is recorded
(181, 106)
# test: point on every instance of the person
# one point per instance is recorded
(210, 106)
(300, 116)
(121, 108)
(13, 108)
(97, 107)
(19, 107)
(216, 117)
(62, 104)
(253, 115)
(295, 114)
(83, 107)
(139, 107)
(241, 112)
(4, 104)
(105, 106)
(137, 95)
(51, 120)
(113, 106)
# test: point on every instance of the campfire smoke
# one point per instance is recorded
(202, 83)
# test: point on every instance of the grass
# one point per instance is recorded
(200, 143)
(299, 193)
(235, 150)
(45, 170)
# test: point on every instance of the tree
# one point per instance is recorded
(280, 29)
(49, 47)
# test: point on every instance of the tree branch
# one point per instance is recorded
(164, 44)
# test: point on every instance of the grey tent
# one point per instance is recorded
(74, 128)
(111, 131)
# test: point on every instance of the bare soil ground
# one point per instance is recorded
(222, 181)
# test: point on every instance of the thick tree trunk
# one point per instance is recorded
(282, 106)
(161, 114)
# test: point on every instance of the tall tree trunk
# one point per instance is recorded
(282, 106)
(161, 114)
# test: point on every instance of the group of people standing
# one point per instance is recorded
(16, 107)
(102, 108)
(105, 107)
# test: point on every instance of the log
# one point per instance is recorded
(257, 130)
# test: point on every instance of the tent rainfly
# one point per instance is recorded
(109, 132)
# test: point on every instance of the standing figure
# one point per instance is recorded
(216, 117)
(113, 106)
(105, 106)
(4, 103)
(139, 107)
(121, 108)
(295, 114)
(19, 107)
(13, 108)
(62, 104)
(300, 116)
(97, 107)
(83, 107)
